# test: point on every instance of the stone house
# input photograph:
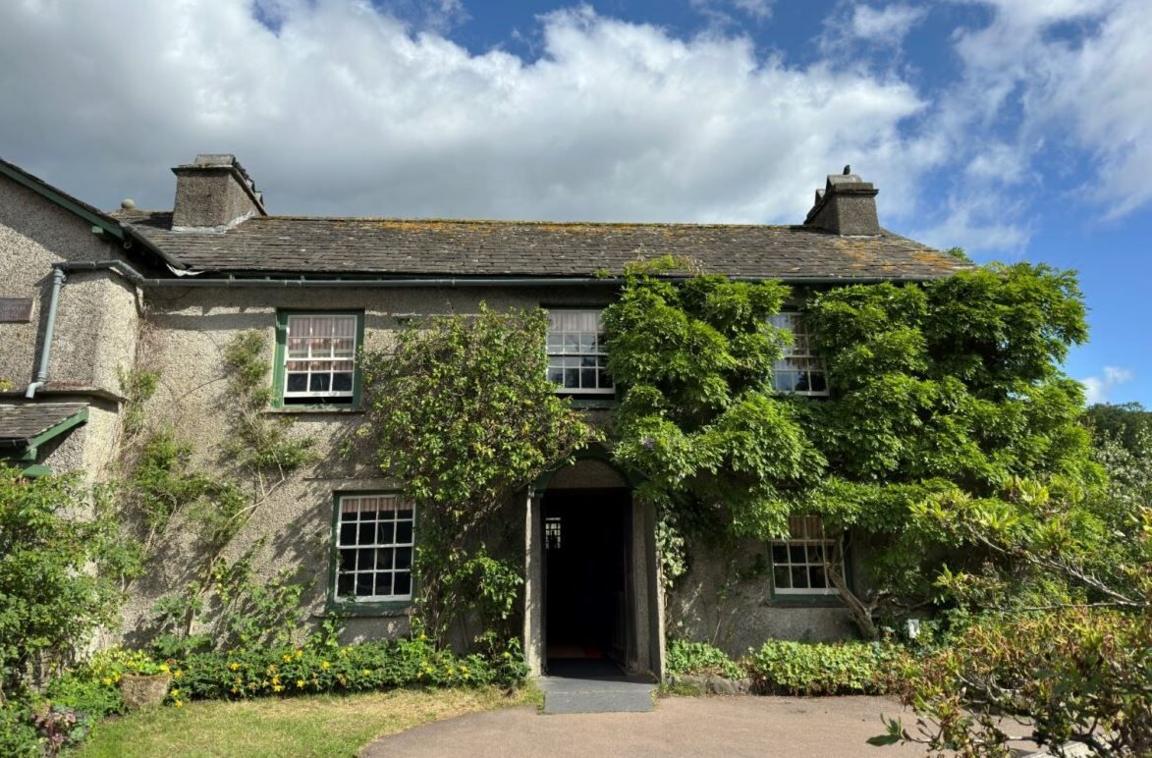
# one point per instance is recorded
(87, 297)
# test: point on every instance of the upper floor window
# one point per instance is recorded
(319, 358)
(374, 542)
(800, 563)
(799, 370)
(577, 363)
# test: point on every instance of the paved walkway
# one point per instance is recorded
(726, 727)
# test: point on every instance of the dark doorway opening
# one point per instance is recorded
(588, 593)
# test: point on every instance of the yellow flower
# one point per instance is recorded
(234, 665)
(108, 681)
(277, 688)
(299, 653)
(325, 665)
(164, 667)
(174, 692)
(287, 657)
(463, 669)
(177, 674)
(178, 703)
(300, 683)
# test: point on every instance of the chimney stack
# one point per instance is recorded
(846, 206)
(214, 192)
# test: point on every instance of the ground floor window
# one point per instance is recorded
(800, 563)
(374, 541)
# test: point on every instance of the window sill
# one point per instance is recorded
(592, 403)
(804, 601)
(389, 609)
(297, 409)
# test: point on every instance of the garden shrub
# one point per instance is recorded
(701, 658)
(781, 667)
(86, 695)
(18, 736)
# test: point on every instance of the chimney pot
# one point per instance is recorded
(214, 192)
(846, 206)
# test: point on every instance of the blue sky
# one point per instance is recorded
(1018, 129)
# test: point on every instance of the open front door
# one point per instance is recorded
(588, 597)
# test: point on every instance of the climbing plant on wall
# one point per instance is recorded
(461, 415)
(936, 389)
(165, 485)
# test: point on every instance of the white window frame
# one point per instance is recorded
(319, 396)
(807, 531)
(388, 501)
(800, 350)
(560, 354)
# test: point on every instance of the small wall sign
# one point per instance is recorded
(15, 310)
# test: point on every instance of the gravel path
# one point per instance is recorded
(726, 727)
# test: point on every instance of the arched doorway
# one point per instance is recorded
(592, 601)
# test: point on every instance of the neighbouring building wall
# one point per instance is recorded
(34, 234)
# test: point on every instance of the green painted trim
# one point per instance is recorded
(36, 470)
(352, 608)
(278, 362)
(54, 195)
(77, 418)
(30, 451)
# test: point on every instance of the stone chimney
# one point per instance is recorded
(846, 206)
(214, 192)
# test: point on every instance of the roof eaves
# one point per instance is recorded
(63, 199)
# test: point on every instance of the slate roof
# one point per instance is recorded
(21, 422)
(381, 246)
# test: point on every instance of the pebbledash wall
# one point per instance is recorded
(106, 326)
(182, 337)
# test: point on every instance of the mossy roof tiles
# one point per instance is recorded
(379, 246)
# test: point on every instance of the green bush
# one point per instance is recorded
(686, 657)
(354, 668)
(321, 666)
(18, 736)
(780, 667)
(86, 695)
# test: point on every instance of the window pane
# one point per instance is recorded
(383, 583)
(347, 534)
(342, 382)
(384, 558)
(347, 560)
(345, 585)
(384, 532)
(363, 585)
(319, 383)
(403, 557)
(367, 534)
(297, 382)
(403, 532)
(796, 553)
(779, 553)
(799, 577)
(365, 558)
(782, 577)
(403, 584)
(817, 577)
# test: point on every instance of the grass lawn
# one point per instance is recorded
(321, 725)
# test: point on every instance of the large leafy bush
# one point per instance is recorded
(61, 562)
(782, 667)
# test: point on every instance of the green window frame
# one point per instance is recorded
(317, 358)
(357, 558)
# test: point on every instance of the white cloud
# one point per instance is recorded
(722, 13)
(343, 110)
(1041, 77)
(1098, 388)
(887, 25)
